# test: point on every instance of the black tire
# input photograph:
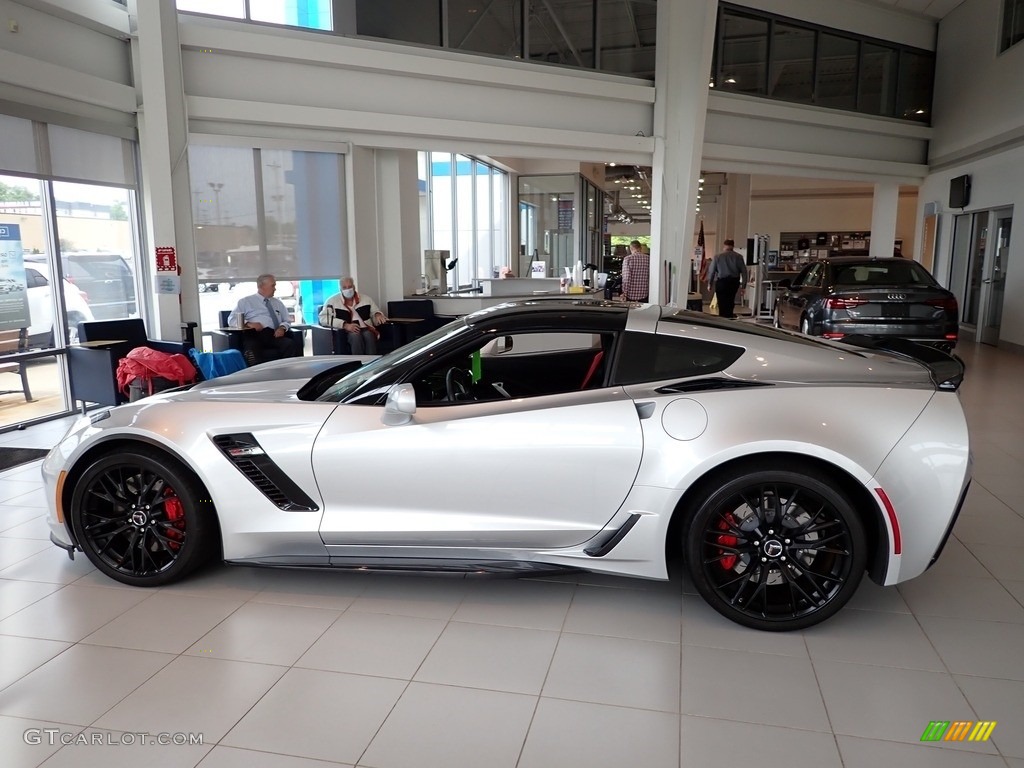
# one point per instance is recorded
(141, 518)
(777, 316)
(775, 549)
(805, 325)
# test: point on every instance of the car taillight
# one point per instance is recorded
(828, 335)
(834, 303)
(948, 303)
(951, 337)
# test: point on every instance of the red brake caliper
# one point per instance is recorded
(176, 514)
(727, 561)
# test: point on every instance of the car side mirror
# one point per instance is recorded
(785, 283)
(400, 405)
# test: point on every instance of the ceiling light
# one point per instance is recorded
(919, 112)
(612, 164)
(730, 80)
(711, 84)
(700, 180)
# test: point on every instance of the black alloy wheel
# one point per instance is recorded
(776, 549)
(141, 518)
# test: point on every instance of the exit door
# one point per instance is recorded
(993, 282)
(981, 248)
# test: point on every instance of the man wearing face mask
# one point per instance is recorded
(357, 315)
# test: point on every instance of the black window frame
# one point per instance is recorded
(634, 346)
(891, 102)
(1012, 10)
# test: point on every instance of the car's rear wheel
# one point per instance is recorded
(777, 316)
(141, 518)
(805, 325)
(775, 549)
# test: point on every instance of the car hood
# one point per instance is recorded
(276, 381)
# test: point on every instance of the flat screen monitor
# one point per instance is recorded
(960, 191)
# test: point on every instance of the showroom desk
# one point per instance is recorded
(91, 368)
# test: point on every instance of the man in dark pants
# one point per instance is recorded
(728, 272)
(266, 321)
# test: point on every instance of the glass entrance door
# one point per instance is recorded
(993, 282)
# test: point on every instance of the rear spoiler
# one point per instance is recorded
(947, 371)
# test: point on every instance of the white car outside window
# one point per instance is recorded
(40, 305)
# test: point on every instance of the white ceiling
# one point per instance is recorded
(933, 9)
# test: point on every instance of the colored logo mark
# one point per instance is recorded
(958, 730)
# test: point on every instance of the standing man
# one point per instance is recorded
(728, 273)
(266, 322)
(636, 273)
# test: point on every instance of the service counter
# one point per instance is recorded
(464, 304)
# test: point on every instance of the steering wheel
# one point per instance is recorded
(457, 383)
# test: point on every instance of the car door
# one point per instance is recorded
(789, 297)
(802, 293)
(534, 471)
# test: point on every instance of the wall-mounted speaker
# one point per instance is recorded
(960, 191)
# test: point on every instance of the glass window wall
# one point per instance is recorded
(311, 14)
(762, 54)
(1013, 23)
(608, 35)
(259, 211)
(465, 211)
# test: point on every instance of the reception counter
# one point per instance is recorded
(464, 304)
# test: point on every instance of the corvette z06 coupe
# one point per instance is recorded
(537, 436)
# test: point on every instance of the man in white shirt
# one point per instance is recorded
(266, 322)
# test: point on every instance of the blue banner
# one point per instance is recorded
(13, 290)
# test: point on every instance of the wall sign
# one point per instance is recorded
(166, 259)
(13, 290)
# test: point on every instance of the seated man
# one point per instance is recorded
(266, 321)
(357, 314)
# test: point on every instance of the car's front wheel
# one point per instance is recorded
(141, 518)
(775, 549)
(805, 325)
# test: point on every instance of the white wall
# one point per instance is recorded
(979, 94)
(995, 183)
(291, 83)
(850, 213)
(69, 68)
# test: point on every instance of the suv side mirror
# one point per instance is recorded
(400, 405)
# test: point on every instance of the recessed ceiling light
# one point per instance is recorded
(612, 164)
(730, 80)
(700, 180)
(919, 112)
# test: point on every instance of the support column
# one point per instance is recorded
(163, 140)
(384, 204)
(685, 42)
(737, 210)
(883, 218)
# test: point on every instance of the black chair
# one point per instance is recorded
(92, 363)
(222, 340)
(11, 342)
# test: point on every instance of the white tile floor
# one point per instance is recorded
(284, 669)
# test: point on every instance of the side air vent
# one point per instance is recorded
(249, 458)
(705, 385)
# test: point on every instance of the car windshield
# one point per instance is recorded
(372, 370)
(882, 273)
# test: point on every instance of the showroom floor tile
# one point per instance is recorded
(291, 669)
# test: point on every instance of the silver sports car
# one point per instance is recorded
(540, 436)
